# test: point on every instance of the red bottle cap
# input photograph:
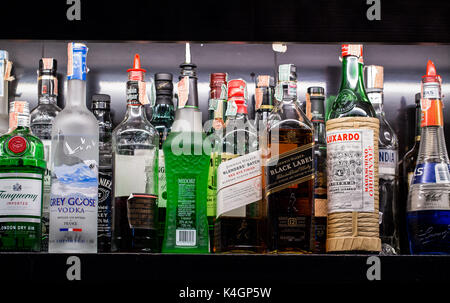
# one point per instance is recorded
(236, 88)
(431, 75)
(352, 50)
(217, 79)
(17, 144)
(136, 73)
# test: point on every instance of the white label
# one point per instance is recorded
(387, 162)
(351, 170)
(375, 98)
(238, 184)
(20, 195)
(185, 237)
(132, 173)
(431, 91)
(162, 186)
(441, 172)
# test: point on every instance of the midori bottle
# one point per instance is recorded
(428, 209)
(74, 165)
(187, 167)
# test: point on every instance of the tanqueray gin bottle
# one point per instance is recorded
(428, 208)
(74, 165)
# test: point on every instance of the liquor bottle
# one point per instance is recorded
(352, 139)
(101, 110)
(135, 149)
(217, 108)
(162, 119)
(4, 56)
(428, 209)
(407, 167)
(22, 168)
(388, 160)
(41, 120)
(187, 167)
(315, 99)
(74, 165)
(239, 227)
(288, 170)
(264, 96)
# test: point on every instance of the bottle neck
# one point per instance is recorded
(102, 114)
(47, 100)
(289, 91)
(318, 119)
(76, 94)
(163, 99)
(352, 76)
(376, 98)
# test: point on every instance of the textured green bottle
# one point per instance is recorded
(22, 169)
(187, 167)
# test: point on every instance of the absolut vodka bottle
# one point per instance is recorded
(74, 165)
(41, 120)
(428, 210)
(388, 168)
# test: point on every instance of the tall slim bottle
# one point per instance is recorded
(22, 168)
(74, 165)
(101, 110)
(187, 167)
(264, 102)
(4, 56)
(428, 212)
(41, 120)
(388, 163)
(315, 107)
(135, 149)
(352, 162)
(162, 119)
(288, 170)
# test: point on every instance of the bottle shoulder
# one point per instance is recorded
(387, 137)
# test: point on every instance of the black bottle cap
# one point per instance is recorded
(101, 101)
(163, 84)
(417, 99)
(47, 66)
(316, 91)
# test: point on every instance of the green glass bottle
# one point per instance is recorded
(352, 100)
(22, 168)
(187, 167)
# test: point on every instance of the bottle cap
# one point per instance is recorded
(48, 66)
(163, 84)
(76, 61)
(316, 91)
(101, 101)
(237, 88)
(217, 79)
(374, 77)
(188, 68)
(352, 50)
(265, 81)
(431, 75)
(136, 73)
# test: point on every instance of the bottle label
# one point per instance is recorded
(183, 91)
(20, 195)
(387, 162)
(351, 170)
(238, 184)
(290, 168)
(186, 220)
(76, 61)
(47, 85)
(346, 100)
(375, 98)
(104, 203)
(431, 173)
(231, 108)
(143, 98)
(213, 104)
(162, 186)
(142, 165)
(258, 97)
(432, 114)
(141, 211)
(212, 185)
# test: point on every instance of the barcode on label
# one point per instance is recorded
(442, 173)
(185, 237)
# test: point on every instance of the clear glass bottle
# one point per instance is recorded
(241, 229)
(22, 168)
(74, 165)
(187, 156)
(315, 111)
(101, 110)
(42, 118)
(288, 170)
(162, 119)
(135, 149)
(428, 209)
(388, 164)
